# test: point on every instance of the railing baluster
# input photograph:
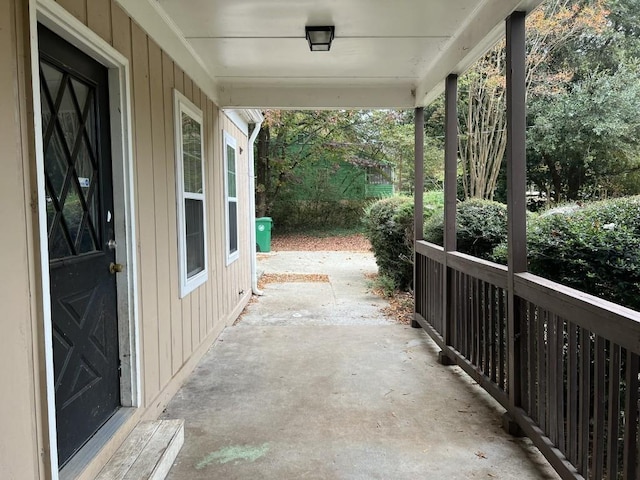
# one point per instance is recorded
(437, 296)
(460, 341)
(469, 281)
(467, 311)
(572, 393)
(631, 417)
(585, 402)
(434, 294)
(531, 359)
(477, 316)
(504, 384)
(552, 372)
(523, 345)
(419, 289)
(597, 455)
(439, 301)
(456, 311)
(542, 370)
(493, 318)
(486, 329)
(613, 426)
(559, 406)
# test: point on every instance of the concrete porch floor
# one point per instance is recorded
(315, 383)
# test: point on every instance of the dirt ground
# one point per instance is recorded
(300, 242)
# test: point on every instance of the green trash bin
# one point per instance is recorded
(263, 234)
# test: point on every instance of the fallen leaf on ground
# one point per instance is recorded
(300, 242)
(400, 306)
(292, 278)
(480, 455)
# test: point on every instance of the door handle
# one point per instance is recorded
(116, 267)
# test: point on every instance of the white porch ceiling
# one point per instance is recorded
(386, 53)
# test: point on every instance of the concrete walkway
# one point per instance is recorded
(314, 383)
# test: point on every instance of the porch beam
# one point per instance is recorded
(516, 191)
(333, 95)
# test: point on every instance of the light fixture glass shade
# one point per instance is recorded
(320, 38)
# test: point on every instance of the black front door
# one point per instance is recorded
(80, 219)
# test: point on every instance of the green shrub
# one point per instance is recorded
(296, 215)
(594, 248)
(389, 225)
(385, 285)
(481, 226)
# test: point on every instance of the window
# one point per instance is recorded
(380, 175)
(231, 194)
(190, 193)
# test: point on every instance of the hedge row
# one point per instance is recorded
(593, 248)
(389, 227)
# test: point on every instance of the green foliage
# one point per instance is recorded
(305, 156)
(385, 284)
(592, 248)
(290, 214)
(320, 194)
(292, 143)
(583, 142)
(393, 134)
(433, 201)
(481, 226)
(389, 227)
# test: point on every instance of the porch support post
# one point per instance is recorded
(418, 194)
(419, 174)
(516, 194)
(450, 201)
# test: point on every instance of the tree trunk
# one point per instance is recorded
(555, 179)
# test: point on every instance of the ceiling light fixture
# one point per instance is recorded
(320, 38)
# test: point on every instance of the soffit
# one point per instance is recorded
(385, 53)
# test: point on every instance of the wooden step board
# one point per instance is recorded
(147, 453)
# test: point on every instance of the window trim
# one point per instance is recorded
(188, 284)
(230, 140)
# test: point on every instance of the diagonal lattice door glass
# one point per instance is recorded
(71, 163)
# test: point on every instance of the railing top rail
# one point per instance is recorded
(607, 319)
(430, 250)
(485, 270)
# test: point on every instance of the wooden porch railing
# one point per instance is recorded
(578, 363)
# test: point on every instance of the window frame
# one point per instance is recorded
(230, 141)
(182, 105)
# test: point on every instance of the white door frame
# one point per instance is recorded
(57, 19)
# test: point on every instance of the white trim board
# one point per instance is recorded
(182, 104)
(237, 120)
(57, 19)
(243, 118)
(230, 140)
(159, 26)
